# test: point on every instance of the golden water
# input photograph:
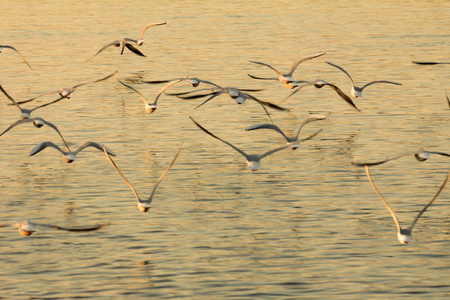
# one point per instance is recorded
(306, 225)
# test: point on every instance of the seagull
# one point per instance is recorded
(26, 113)
(286, 78)
(143, 205)
(292, 142)
(420, 155)
(237, 95)
(38, 122)
(404, 235)
(27, 228)
(253, 161)
(140, 41)
(66, 92)
(357, 91)
(152, 107)
(126, 42)
(69, 156)
(319, 83)
(3, 47)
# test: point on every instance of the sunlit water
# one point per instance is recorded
(306, 225)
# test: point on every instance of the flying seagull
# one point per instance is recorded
(357, 91)
(253, 161)
(143, 205)
(38, 122)
(319, 83)
(66, 92)
(151, 107)
(286, 78)
(26, 113)
(292, 142)
(27, 228)
(68, 156)
(404, 235)
(420, 155)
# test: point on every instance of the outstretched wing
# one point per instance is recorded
(95, 145)
(134, 50)
(141, 37)
(343, 96)
(23, 58)
(267, 65)
(216, 137)
(431, 201)
(340, 68)
(39, 147)
(164, 174)
(305, 58)
(115, 43)
(120, 173)
(267, 126)
(75, 229)
(379, 81)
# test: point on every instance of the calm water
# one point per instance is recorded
(306, 225)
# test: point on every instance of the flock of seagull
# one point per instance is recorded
(211, 91)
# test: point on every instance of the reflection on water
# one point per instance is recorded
(307, 224)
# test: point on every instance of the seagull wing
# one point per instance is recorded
(115, 43)
(394, 216)
(132, 88)
(343, 96)
(309, 119)
(56, 129)
(46, 104)
(379, 81)
(297, 89)
(272, 151)
(18, 122)
(23, 58)
(95, 145)
(383, 161)
(74, 229)
(134, 50)
(268, 126)
(94, 81)
(297, 62)
(439, 153)
(263, 78)
(39, 147)
(216, 137)
(9, 97)
(263, 64)
(120, 173)
(164, 174)
(165, 88)
(340, 68)
(431, 201)
(141, 37)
